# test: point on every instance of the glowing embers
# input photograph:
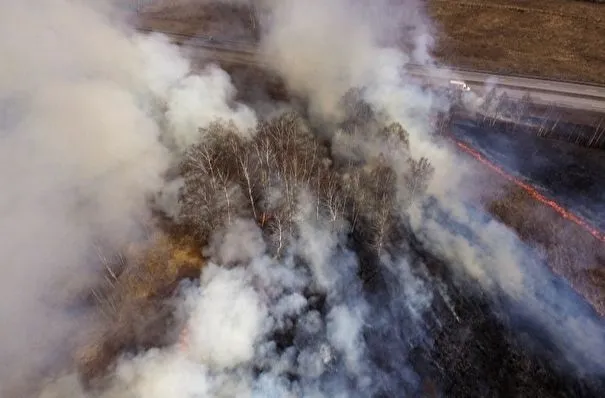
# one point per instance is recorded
(183, 341)
(532, 192)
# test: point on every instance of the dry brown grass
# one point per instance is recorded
(559, 39)
(570, 250)
(227, 21)
(152, 269)
(135, 304)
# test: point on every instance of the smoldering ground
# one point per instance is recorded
(341, 261)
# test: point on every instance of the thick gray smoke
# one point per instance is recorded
(237, 315)
(82, 103)
(90, 112)
(71, 120)
(322, 49)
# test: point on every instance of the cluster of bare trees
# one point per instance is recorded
(285, 174)
(228, 177)
(287, 167)
(544, 121)
(498, 107)
(591, 136)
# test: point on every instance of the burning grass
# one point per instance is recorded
(569, 249)
(572, 246)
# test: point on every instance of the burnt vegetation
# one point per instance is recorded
(286, 168)
(356, 177)
(264, 179)
(578, 127)
(287, 173)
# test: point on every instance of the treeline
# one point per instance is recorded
(354, 178)
(545, 121)
(287, 169)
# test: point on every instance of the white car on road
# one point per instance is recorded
(461, 85)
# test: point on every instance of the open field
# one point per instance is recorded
(557, 39)
(224, 20)
(551, 38)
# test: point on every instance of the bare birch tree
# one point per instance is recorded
(417, 178)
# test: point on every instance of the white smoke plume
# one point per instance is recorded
(73, 120)
(257, 326)
(313, 61)
(305, 49)
(236, 316)
(322, 49)
(190, 101)
(80, 154)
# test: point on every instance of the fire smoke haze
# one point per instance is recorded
(81, 154)
(94, 115)
(70, 115)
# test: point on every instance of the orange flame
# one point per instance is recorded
(183, 341)
(184, 337)
(568, 215)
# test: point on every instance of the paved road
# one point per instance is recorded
(564, 94)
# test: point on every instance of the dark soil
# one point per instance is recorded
(481, 345)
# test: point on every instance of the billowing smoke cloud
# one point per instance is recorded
(83, 103)
(258, 324)
(270, 328)
(79, 155)
(302, 43)
(314, 61)
(190, 101)
(322, 49)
